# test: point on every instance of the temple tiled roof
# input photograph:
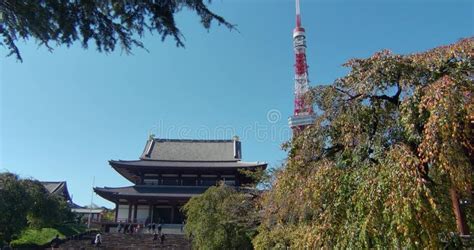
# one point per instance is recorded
(57, 188)
(170, 155)
(192, 150)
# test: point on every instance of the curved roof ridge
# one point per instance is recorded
(158, 160)
(191, 140)
(105, 187)
(179, 164)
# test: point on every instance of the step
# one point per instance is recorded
(127, 241)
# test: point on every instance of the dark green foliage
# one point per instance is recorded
(109, 215)
(221, 218)
(14, 206)
(36, 237)
(40, 237)
(70, 229)
(104, 22)
(47, 210)
(259, 177)
(27, 203)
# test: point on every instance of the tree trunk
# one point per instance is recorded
(461, 224)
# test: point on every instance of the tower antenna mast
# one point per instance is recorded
(303, 114)
(298, 14)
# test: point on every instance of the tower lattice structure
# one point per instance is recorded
(303, 114)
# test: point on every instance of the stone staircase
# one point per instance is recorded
(129, 241)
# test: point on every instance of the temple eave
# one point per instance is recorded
(153, 164)
(131, 169)
(114, 196)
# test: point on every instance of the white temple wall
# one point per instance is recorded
(142, 213)
(122, 214)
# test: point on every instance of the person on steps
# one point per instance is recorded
(155, 239)
(159, 228)
(162, 239)
(55, 242)
(98, 240)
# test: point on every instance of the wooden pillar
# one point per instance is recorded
(129, 211)
(116, 210)
(153, 213)
(172, 213)
(135, 212)
(150, 212)
(237, 179)
(142, 177)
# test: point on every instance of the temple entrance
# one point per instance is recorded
(167, 215)
(178, 216)
(162, 214)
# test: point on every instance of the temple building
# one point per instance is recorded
(169, 172)
(58, 188)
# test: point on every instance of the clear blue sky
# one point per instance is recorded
(65, 114)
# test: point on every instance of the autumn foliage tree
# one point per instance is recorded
(221, 218)
(387, 160)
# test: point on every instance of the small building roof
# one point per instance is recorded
(88, 210)
(57, 188)
(192, 150)
(93, 207)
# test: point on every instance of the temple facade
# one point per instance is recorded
(169, 172)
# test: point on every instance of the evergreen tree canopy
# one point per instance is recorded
(104, 22)
(391, 139)
(25, 202)
(14, 206)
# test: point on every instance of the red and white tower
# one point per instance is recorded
(303, 114)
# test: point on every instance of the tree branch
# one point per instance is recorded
(395, 99)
